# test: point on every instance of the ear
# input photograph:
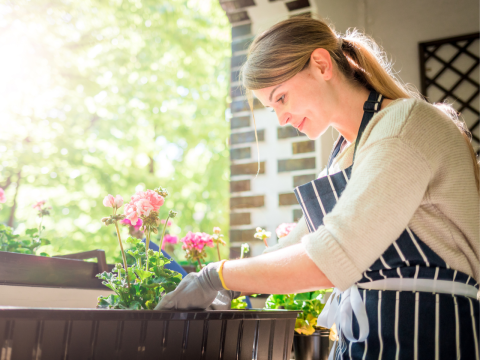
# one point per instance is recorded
(322, 60)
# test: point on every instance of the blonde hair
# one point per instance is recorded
(284, 50)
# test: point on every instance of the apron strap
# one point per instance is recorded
(370, 108)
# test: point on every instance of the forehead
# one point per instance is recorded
(266, 95)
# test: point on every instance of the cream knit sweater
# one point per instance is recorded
(413, 168)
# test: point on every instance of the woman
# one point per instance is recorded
(392, 223)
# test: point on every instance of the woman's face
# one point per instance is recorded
(306, 101)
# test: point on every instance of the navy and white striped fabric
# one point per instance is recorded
(403, 324)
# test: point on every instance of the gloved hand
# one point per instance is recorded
(198, 291)
(223, 301)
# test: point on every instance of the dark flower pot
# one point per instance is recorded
(312, 347)
(33, 333)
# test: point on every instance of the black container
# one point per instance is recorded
(34, 333)
(312, 347)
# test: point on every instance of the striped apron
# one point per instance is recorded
(410, 304)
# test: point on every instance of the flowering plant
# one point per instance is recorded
(244, 249)
(137, 288)
(310, 303)
(29, 243)
(171, 239)
(284, 229)
(3, 198)
(142, 285)
(194, 245)
(217, 238)
(262, 234)
(136, 226)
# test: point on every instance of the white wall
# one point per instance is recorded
(50, 297)
(399, 25)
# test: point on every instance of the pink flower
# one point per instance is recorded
(196, 241)
(109, 201)
(284, 229)
(169, 239)
(3, 198)
(153, 198)
(130, 212)
(137, 226)
(38, 205)
(144, 207)
(216, 230)
(118, 201)
(168, 224)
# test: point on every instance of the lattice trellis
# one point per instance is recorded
(450, 72)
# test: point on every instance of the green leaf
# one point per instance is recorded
(111, 300)
(239, 303)
(31, 231)
(133, 241)
(302, 296)
(169, 286)
(150, 304)
(135, 305)
(26, 243)
(142, 274)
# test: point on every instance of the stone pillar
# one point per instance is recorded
(288, 158)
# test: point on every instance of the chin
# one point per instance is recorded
(312, 135)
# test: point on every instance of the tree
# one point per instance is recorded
(108, 97)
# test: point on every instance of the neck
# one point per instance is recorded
(349, 109)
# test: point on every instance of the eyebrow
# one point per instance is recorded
(271, 94)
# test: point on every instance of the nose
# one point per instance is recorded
(284, 119)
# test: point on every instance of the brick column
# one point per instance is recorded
(288, 158)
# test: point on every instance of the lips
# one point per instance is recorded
(300, 126)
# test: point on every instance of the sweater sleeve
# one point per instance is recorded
(387, 185)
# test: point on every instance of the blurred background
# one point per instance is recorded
(112, 97)
(116, 96)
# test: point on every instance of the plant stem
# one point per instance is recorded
(163, 234)
(199, 263)
(40, 227)
(147, 245)
(123, 253)
(218, 252)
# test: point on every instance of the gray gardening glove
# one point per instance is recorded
(223, 301)
(198, 291)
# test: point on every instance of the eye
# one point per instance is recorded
(282, 99)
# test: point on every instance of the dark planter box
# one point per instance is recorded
(60, 271)
(60, 282)
(312, 347)
(29, 333)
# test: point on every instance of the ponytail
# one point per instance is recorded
(284, 50)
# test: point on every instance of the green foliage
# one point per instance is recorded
(27, 244)
(309, 303)
(239, 303)
(143, 289)
(106, 95)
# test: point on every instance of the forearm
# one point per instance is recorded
(285, 271)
